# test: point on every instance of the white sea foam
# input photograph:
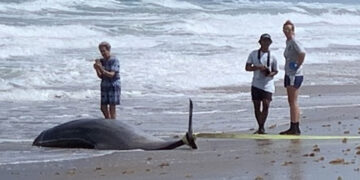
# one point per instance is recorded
(173, 4)
(60, 5)
(196, 45)
(38, 5)
(40, 40)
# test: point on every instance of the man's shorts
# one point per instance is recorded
(110, 95)
(259, 94)
(294, 81)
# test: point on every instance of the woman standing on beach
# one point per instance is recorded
(107, 69)
(294, 55)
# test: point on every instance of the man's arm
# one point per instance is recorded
(274, 68)
(252, 67)
(272, 73)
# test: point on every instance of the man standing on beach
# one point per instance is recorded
(265, 68)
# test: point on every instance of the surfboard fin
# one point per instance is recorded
(189, 137)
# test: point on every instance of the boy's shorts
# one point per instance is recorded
(110, 95)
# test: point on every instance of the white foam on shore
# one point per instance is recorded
(4, 140)
(56, 157)
(197, 112)
(47, 95)
(321, 106)
(330, 106)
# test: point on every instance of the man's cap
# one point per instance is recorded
(265, 36)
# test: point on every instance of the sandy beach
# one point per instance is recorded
(334, 111)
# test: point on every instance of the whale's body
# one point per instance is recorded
(107, 134)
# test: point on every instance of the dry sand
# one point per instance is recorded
(236, 158)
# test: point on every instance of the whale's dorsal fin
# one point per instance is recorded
(190, 130)
(189, 137)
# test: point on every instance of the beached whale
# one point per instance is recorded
(108, 134)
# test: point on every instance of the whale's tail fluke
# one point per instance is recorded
(189, 137)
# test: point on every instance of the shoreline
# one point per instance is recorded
(235, 158)
(280, 90)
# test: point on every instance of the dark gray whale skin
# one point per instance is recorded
(107, 134)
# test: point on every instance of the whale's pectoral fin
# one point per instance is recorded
(189, 139)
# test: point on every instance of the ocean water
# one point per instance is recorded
(169, 51)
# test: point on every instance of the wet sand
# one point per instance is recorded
(236, 158)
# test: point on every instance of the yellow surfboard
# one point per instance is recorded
(269, 136)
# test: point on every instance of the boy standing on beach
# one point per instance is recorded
(108, 70)
(265, 68)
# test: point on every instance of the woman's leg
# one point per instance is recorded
(293, 93)
(294, 111)
(105, 111)
(112, 112)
